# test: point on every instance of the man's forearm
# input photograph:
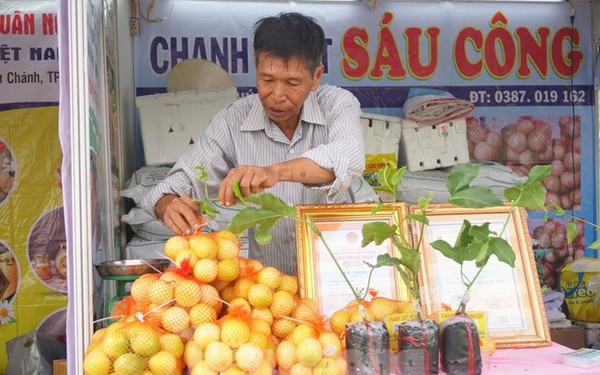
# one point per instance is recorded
(303, 170)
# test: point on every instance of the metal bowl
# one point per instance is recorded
(131, 267)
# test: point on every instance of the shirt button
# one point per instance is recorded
(291, 150)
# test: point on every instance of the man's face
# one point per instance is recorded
(283, 86)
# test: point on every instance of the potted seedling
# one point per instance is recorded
(417, 339)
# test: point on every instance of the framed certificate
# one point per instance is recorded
(341, 225)
(511, 296)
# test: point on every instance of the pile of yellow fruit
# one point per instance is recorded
(217, 313)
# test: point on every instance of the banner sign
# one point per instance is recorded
(530, 78)
(33, 258)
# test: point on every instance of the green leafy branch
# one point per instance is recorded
(206, 207)
(264, 211)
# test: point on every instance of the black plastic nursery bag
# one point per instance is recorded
(367, 348)
(460, 351)
(418, 347)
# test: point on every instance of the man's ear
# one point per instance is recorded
(317, 76)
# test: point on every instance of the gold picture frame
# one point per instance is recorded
(511, 296)
(341, 225)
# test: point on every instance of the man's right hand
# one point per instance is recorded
(180, 214)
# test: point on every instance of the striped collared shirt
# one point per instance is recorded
(329, 133)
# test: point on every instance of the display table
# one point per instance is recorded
(546, 361)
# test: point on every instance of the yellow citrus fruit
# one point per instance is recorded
(262, 326)
(264, 369)
(260, 295)
(228, 270)
(282, 327)
(115, 344)
(242, 303)
(144, 340)
(172, 343)
(97, 362)
(174, 245)
(154, 315)
(288, 284)
(286, 354)
(163, 363)
(283, 304)
(259, 339)
(175, 319)
(206, 270)
(228, 249)
(406, 307)
(299, 369)
(233, 370)
(206, 333)
(220, 285)
(210, 296)
(242, 286)
(160, 292)
(201, 368)
(332, 345)
(204, 246)
(338, 321)
(228, 294)
(304, 312)
(129, 364)
(342, 364)
(187, 293)
(249, 357)
(202, 313)
(186, 254)
(262, 313)
(140, 288)
(309, 352)
(225, 234)
(381, 307)
(327, 366)
(192, 354)
(234, 332)
(218, 356)
(269, 276)
(301, 332)
(171, 278)
(269, 353)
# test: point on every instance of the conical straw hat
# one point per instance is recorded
(197, 74)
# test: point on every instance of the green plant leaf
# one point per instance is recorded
(480, 232)
(377, 231)
(251, 216)
(483, 255)
(464, 237)
(461, 176)
(263, 231)
(447, 250)
(410, 259)
(386, 260)
(421, 218)
(503, 251)
(378, 207)
(571, 231)
(530, 195)
(271, 202)
(538, 173)
(424, 202)
(595, 245)
(238, 191)
(396, 177)
(475, 197)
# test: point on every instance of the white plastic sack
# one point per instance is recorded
(142, 181)
(33, 353)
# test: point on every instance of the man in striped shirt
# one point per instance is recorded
(295, 139)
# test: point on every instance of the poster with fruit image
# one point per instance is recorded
(30, 160)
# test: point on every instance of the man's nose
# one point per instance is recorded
(278, 93)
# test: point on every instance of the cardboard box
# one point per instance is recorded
(572, 337)
(59, 367)
(170, 123)
(431, 147)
